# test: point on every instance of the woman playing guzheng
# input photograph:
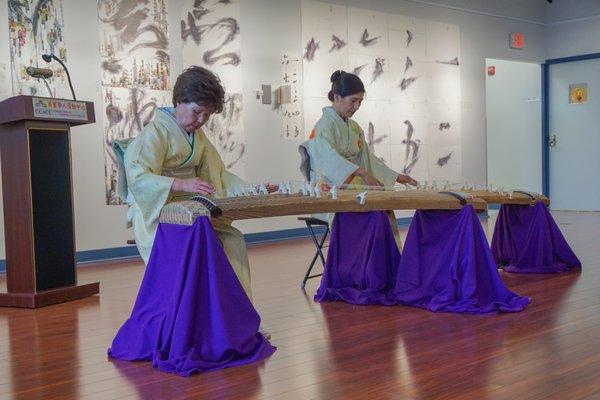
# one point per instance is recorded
(337, 147)
(171, 159)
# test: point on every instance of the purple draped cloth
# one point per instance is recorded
(447, 265)
(362, 259)
(191, 314)
(527, 240)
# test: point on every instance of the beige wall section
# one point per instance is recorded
(573, 28)
(573, 38)
(269, 27)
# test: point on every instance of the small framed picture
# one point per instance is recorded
(578, 93)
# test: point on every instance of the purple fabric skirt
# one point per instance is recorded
(447, 266)
(191, 314)
(527, 240)
(362, 260)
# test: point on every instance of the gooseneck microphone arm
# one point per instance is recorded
(48, 58)
(47, 86)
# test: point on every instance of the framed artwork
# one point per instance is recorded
(578, 93)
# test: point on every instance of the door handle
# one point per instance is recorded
(552, 141)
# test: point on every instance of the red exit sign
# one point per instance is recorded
(517, 40)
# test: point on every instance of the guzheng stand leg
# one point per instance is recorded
(362, 260)
(447, 265)
(191, 314)
(319, 245)
(527, 240)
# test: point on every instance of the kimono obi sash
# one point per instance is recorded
(180, 172)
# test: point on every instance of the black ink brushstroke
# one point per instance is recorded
(113, 114)
(163, 56)
(411, 145)
(453, 61)
(337, 43)
(407, 64)
(232, 28)
(190, 29)
(442, 161)
(444, 125)
(378, 70)
(366, 41)
(219, 128)
(371, 139)
(140, 116)
(126, 20)
(409, 132)
(112, 65)
(406, 82)
(200, 12)
(196, 31)
(311, 49)
(160, 43)
(130, 23)
(357, 70)
(409, 37)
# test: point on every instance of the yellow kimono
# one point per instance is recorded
(337, 148)
(161, 152)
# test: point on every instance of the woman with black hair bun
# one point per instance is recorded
(338, 150)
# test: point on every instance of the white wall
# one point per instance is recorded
(565, 10)
(270, 27)
(573, 28)
(573, 38)
(514, 125)
(527, 10)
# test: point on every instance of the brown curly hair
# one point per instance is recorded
(200, 86)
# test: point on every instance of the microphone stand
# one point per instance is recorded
(47, 86)
(48, 58)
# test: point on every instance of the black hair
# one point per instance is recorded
(201, 86)
(345, 84)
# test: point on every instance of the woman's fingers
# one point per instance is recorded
(202, 187)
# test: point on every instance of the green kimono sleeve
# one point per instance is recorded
(325, 159)
(144, 160)
(375, 166)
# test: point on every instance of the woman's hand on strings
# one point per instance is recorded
(367, 178)
(406, 179)
(192, 185)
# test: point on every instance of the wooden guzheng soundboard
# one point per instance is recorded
(522, 197)
(276, 204)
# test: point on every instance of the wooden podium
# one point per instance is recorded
(38, 200)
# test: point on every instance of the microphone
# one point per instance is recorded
(48, 58)
(40, 73)
(43, 73)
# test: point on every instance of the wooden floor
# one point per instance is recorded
(329, 351)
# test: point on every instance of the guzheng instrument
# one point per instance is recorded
(521, 197)
(277, 204)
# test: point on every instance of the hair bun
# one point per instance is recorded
(336, 75)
